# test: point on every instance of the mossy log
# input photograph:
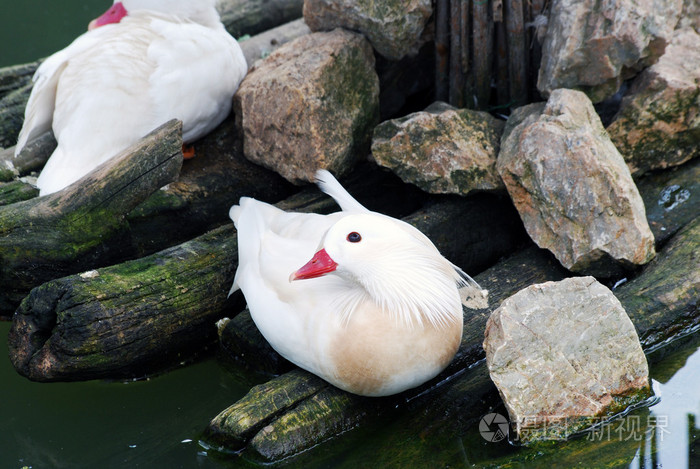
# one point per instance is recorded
(127, 320)
(49, 237)
(143, 316)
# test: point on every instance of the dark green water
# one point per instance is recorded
(32, 29)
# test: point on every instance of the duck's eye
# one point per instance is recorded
(354, 237)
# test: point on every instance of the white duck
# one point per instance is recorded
(141, 64)
(377, 310)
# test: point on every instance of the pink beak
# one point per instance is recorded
(320, 264)
(114, 15)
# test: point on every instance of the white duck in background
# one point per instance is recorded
(141, 64)
(377, 310)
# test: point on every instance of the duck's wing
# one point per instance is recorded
(273, 243)
(330, 185)
(198, 69)
(38, 115)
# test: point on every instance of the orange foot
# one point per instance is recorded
(187, 151)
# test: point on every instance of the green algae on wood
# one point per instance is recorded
(68, 231)
(128, 320)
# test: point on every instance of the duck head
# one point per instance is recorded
(199, 11)
(390, 262)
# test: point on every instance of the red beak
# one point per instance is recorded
(114, 15)
(320, 264)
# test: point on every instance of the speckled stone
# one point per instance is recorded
(658, 124)
(442, 150)
(310, 104)
(564, 355)
(572, 188)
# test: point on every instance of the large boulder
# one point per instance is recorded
(442, 149)
(658, 124)
(564, 355)
(572, 187)
(392, 27)
(310, 104)
(593, 46)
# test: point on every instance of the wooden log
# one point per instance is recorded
(255, 16)
(64, 232)
(12, 114)
(145, 315)
(127, 320)
(32, 157)
(663, 301)
(457, 73)
(16, 76)
(670, 199)
(260, 45)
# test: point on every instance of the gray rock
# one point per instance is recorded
(572, 188)
(392, 27)
(442, 149)
(593, 46)
(690, 17)
(563, 356)
(658, 124)
(310, 104)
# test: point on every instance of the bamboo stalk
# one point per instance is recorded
(482, 51)
(517, 52)
(456, 74)
(442, 50)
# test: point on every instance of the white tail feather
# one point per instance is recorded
(330, 185)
